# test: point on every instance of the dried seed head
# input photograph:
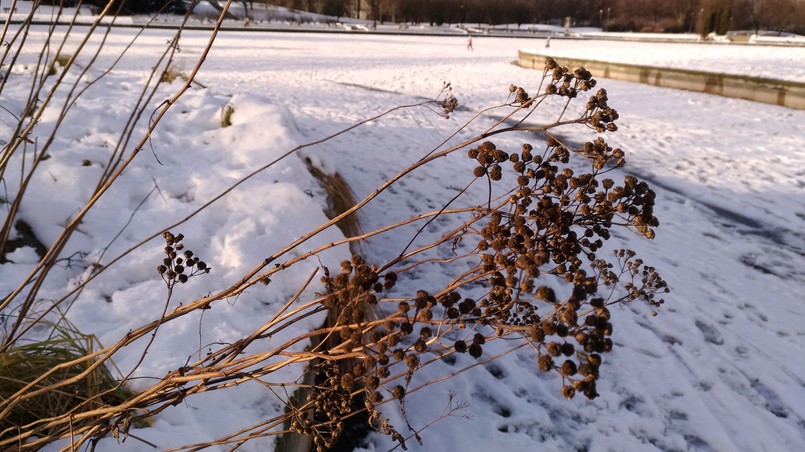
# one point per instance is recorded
(537, 334)
(399, 354)
(411, 361)
(496, 173)
(372, 382)
(568, 392)
(383, 372)
(545, 363)
(376, 397)
(545, 293)
(548, 327)
(398, 392)
(568, 368)
(420, 346)
(406, 328)
(347, 381)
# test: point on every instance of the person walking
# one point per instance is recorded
(469, 42)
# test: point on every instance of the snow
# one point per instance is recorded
(776, 62)
(719, 369)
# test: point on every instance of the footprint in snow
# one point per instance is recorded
(774, 404)
(711, 335)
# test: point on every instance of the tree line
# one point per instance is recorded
(670, 16)
(612, 15)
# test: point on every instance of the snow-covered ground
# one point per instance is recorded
(719, 369)
(747, 60)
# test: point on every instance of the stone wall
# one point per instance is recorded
(779, 92)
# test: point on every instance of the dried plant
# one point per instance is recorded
(26, 361)
(340, 198)
(528, 256)
(172, 74)
(226, 115)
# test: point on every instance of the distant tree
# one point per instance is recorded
(335, 8)
(412, 11)
(704, 16)
(799, 18)
(436, 11)
(390, 10)
(374, 10)
(724, 20)
(683, 13)
(743, 14)
(780, 15)
(716, 17)
(519, 12)
(315, 6)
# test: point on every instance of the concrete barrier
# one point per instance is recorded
(771, 91)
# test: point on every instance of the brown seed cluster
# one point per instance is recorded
(602, 117)
(390, 351)
(555, 222)
(449, 103)
(489, 159)
(566, 83)
(391, 348)
(521, 97)
(601, 154)
(538, 267)
(330, 400)
(644, 283)
(350, 293)
(180, 264)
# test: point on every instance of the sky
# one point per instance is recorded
(719, 369)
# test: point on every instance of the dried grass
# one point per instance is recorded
(340, 198)
(226, 115)
(173, 73)
(59, 62)
(24, 363)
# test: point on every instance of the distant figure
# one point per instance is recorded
(548, 42)
(469, 43)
